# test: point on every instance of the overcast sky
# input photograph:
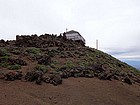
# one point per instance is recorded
(115, 23)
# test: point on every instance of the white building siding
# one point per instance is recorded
(75, 36)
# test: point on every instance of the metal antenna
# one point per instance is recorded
(97, 44)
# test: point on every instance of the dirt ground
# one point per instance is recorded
(73, 91)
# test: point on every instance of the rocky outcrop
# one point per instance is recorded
(42, 41)
(46, 40)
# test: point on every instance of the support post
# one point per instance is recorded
(97, 44)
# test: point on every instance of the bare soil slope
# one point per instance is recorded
(73, 91)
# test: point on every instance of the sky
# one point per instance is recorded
(114, 23)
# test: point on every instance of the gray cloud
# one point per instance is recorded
(132, 53)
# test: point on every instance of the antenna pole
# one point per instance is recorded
(97, 44)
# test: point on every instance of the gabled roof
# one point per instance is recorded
(71, 32)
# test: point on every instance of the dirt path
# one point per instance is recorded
(73, 91)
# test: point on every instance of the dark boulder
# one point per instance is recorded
(46, 78)
(2, 43)
(18, 61)
(89, 75)
(105, 76)
(109, 76)
(73, 72)
(64, 74)
(38, 81)
(136, 79)
(45, 60)
(102, 76)
(18, 75)
(13, 75)
(56, 80)
(116, 77)
(29, 76)
(127, 80)
(98, 68)
(2, 75)
(34, 76)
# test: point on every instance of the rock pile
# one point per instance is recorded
(13, 75)
(39, 77)
(12, 61)
(100, 71)
(34, 76)
(44, 41)
(45, 60)
(55, 78)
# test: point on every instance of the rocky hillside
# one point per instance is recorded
(50, 58)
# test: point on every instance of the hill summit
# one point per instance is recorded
(50, 58)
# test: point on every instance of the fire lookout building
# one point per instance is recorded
(74, 35)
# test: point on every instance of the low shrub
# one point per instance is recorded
(3, 52)
(68, 65)
(42, 68)
(16, 52)
(14, 67)
(33, 50)
(3, 64)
